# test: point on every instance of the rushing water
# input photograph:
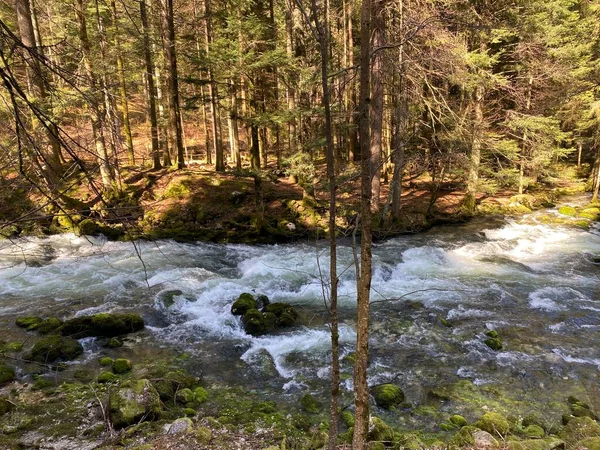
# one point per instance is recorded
(536, 284)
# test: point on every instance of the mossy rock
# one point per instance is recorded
(534, 432)
(262, 301)
(579, 428)
(580, 409)
(535, 419)
(88, 227)
(12, 347)
(243, 304)
(592, 443)
(134, 403)
(387, 395)
(114, 343)
(184, 396)
(494, 423)
(189, 412)
(171, 382)
(285, 313)
(47, 326)
(536, 444)
(105, 361)
(254, 322)
(492, 333)
(567, 211)
(102, 325)
(203, 435)
(410, 441)
(464, 437)
(121, 365)
(494, 343)
(5, 406)
(310, 404)
(7, 374)
(28, 322)
(107, 377)
(200, 395)
(458, 420)
(53, 348)
(181, 425)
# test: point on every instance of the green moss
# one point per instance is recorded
(310, 404)
(243, 304)
(48, 325)
(53, 348)
(347, 418)
(114, 343)
(28, 321)
(204, 435)
(5, 406)
(592, 443)
(458, 420)
(379, 431)
(410, 441)
(494, 343)
(464, 437)
(178, 190)
(107, 377)
(387, 395)
(579, 428)
(494, 424)
(102, 325)
(12, 347)
(254, 322)
(134, 403)
(534, 432)
(190, 412)
(105, 361)
(121, 365)
(492, 333)
(7, 374)
(88, 227)
(171, 382)
(567, 211)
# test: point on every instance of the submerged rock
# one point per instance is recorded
(243, 304)
(387, 395)
(102, 325)
(54, 348)
(135, 403)
(285, 314)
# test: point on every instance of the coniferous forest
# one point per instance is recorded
(305, 224)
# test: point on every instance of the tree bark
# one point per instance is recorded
(376, 113)
(361, 389)
(168, 34)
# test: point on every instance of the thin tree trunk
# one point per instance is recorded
(122, 86)
(361, 388)
(377, 95)
(151, 88)
(524, 139)
(172, 79)
(213, 92)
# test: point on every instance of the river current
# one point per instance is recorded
(434, 296)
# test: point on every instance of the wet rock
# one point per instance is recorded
(387, 395)
(285, 314)
(102, 325)
(134, 403)
(310, 404)
(183, 425)
(494, 423)
(121, 365)
(28, 322)
(47, 326)
(484, 440)
(262, 301)
(7, 374)
(254, 322)
(243, 304)
(54, 348)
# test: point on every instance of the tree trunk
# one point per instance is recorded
(122, 86)
(471, 196)
(151, 88)
(361, 388)
(97, 113)
(213, 93)
(168, 35)
(376, 112)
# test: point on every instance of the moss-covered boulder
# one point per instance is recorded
(254, 322)
(107, 377)
(48, 325)
(537, 444)
(121, 365)
(494, 423)
(579, 428)
(262, 301)
(203, 435)
(7, 373)
(464, 437)
(102, 325)
(455, 422)
(534, 432)
(567, 211)
(28, 322)
(200, 395)
(182, 425)
(310, 404)
(169, 383)
(409, 441)
(105, 361)
(243, 304)
(387, 396)
(134, 403)
(379, 431)
(580, 409)
(54, 348)
(493, 340)
(6, 406)
(184, 396)
(285, 314)
(88, 227)
(592, 443)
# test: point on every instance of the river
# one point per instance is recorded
(536, 284)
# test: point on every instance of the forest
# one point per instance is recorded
(303, 224)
